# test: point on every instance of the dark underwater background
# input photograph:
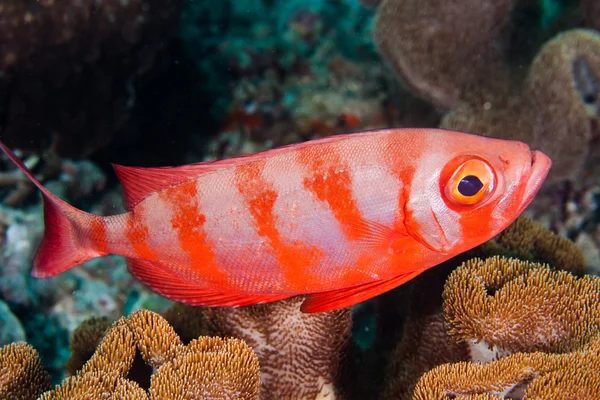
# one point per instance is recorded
(84, 84)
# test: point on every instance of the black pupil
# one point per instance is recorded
(469, 186)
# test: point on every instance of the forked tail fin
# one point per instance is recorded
(62, 246)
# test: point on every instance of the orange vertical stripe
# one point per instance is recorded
(401, 160)
(328, 178)
(138, 234)
(260, 196)
(188, 222)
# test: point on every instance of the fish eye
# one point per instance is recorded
(470, 183)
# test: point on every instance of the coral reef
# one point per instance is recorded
(209, 368)
(22, 375)
(51, 309)
(71, 83)
(506, 327)
(84, 342)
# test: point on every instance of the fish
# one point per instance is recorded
(338, 220)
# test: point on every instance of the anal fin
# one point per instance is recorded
(160, 280)
(342, 298)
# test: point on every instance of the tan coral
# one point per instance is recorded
(502, 306)
(115, 353)
(528, 240)
(209, 368)
(156, 339)
(84, 342)
(96, 385)
(22, 375)
(299, 353)
(526, 376)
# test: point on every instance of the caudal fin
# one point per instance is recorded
(62, 246)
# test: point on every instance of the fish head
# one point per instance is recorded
(466, 189)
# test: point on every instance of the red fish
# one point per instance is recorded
(339, 219)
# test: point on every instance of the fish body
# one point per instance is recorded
(339, 219)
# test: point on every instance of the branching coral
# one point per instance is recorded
(206, 368)
(22, 375)
(299, 353)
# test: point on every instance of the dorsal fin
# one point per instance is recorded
(140, 182)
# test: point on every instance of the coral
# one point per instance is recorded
(296, 74)
(76, 78)
(96, 385)
(489, 310)
(528, 240)
(115, 353)
(22, 375)
(501, 306)
(156, 339)
(209, 368)
(299, 353)
(527, 376)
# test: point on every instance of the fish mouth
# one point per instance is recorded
(540, 165)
